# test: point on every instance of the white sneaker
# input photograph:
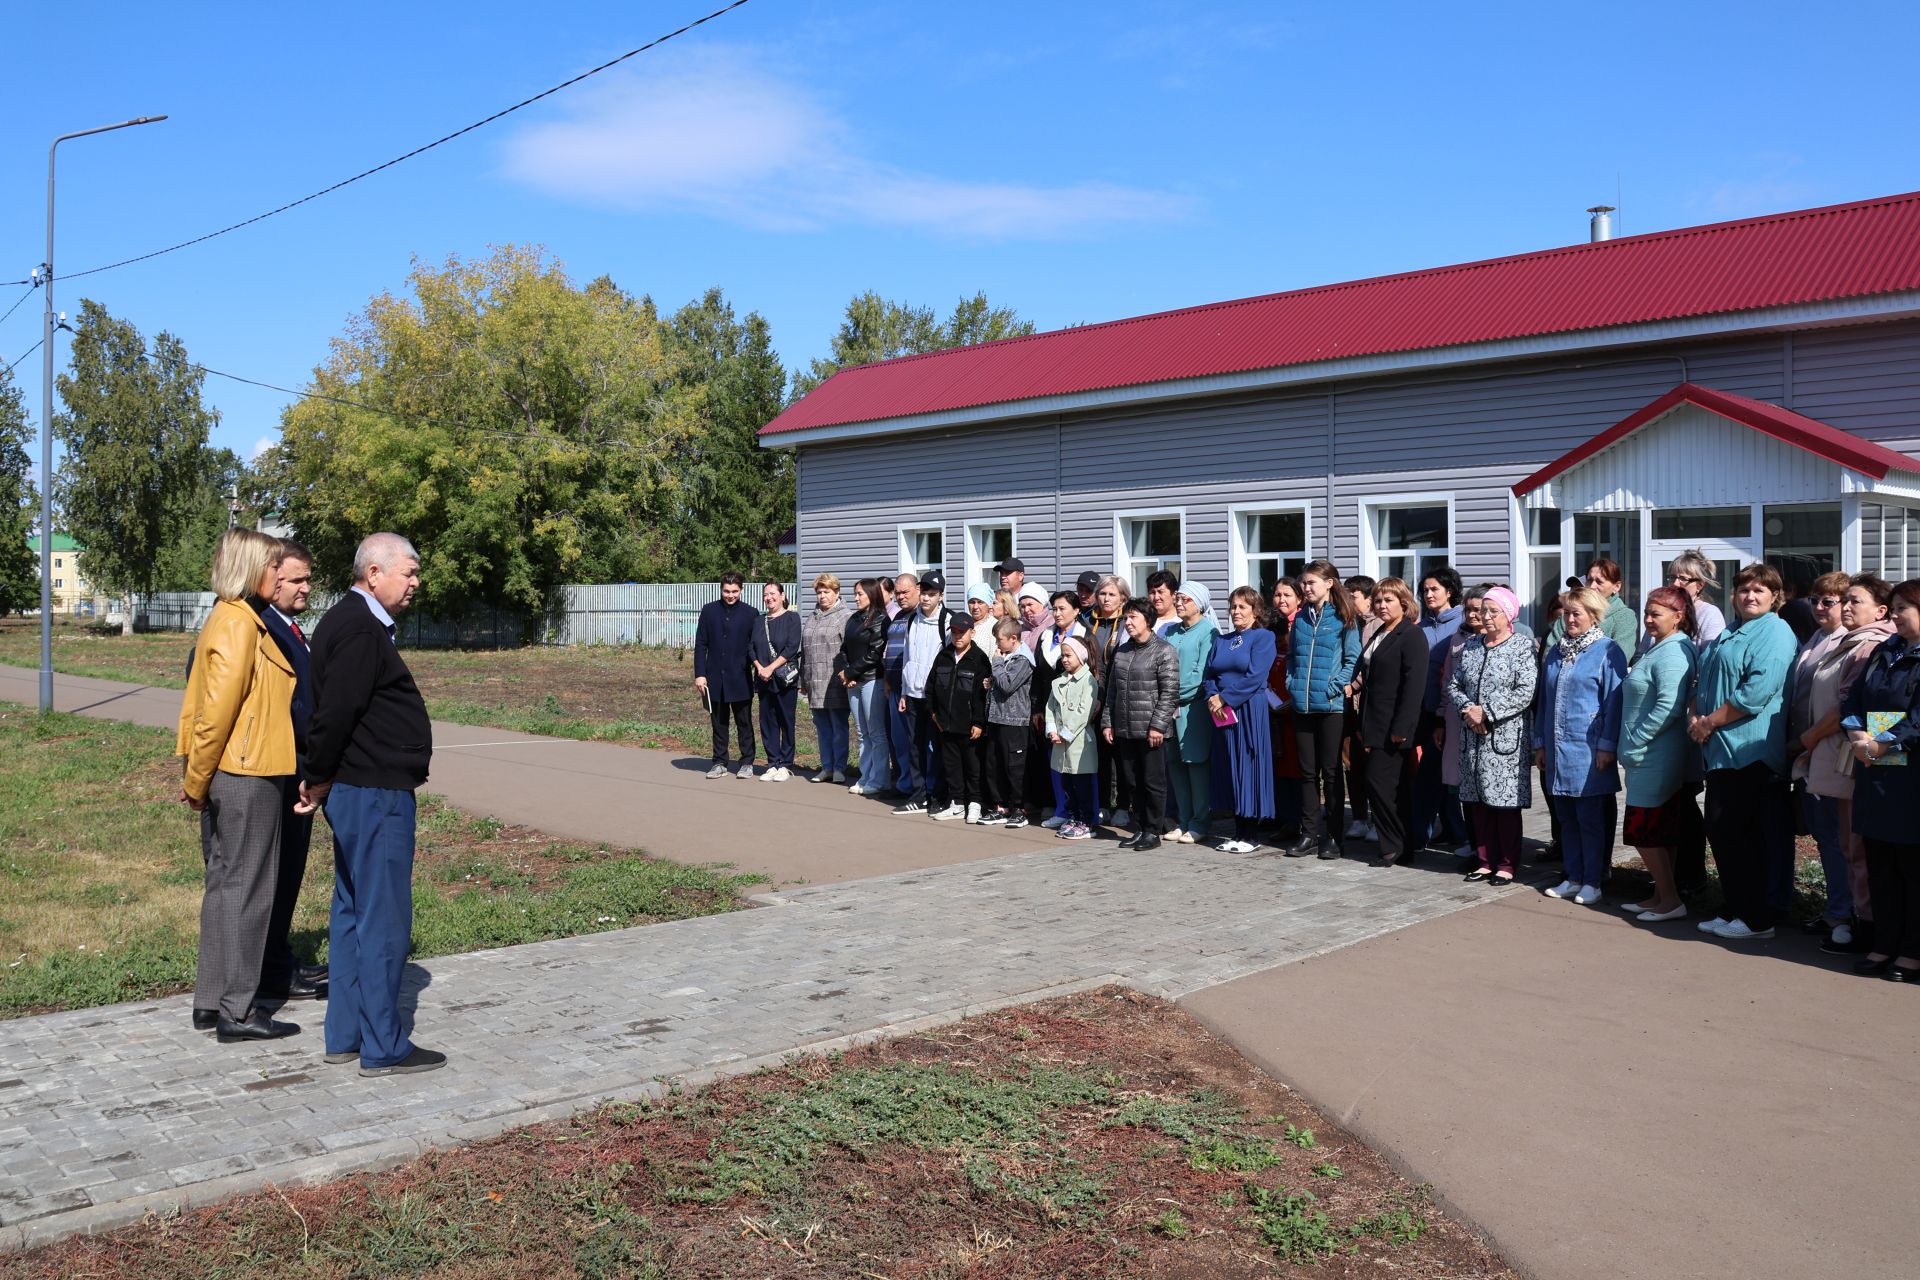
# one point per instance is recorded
(1565, 889)
(1186, 837)
(1121, 818)
(949, 813)
(1588, 895)
(718, 771)
(1235, 846)
(1841, 936)
(854, 788)
(745, 771)
(1056, 822)
(1714, 925)
(1655, 917)
(1737, 931)
(772, 774)
(1173, 836)
(973, 814)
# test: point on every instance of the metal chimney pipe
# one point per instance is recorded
(1601, 226)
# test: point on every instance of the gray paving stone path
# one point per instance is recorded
(108, 1114)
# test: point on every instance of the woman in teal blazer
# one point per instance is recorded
(1661, 814)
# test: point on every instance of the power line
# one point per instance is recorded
(17, 301)
(24, 354)
(368, 173)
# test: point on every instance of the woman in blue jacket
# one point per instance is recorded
(1235, 680)
(1576, 735)
(1886, 795)
(1739, 719)
(1322, 651)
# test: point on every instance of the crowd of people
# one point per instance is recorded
(1335, 711)
(275, 726)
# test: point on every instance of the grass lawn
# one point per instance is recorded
(1103, 1135)
(637, 696)
(100, 873)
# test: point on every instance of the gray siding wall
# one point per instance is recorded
(1063, 480)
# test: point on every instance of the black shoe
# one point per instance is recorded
(256, 1026)
(1130, 841)
(316, 974)
(1900, 973)
(205, 1019)
(1861, 944)
(1300, 848)
(300, 987)
(1872, 968)
(419, 1060)
(1477, 875)
(1549, 854)
(1146, 842)
(1815, 927)
(1329, 851)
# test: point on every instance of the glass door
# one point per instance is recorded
(1616, 538)
(1724, 535)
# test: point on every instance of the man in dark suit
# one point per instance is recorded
(369, 743)
(722, 657)
(282, 976)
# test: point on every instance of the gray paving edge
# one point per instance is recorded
(377, 1156)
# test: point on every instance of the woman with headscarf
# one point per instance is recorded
(980, 609)
(1190, 767)
(1237, 704)
(1492, 688)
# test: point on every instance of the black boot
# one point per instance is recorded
(1329, 849)
(1301, 847)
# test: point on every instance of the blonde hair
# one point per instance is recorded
(1399, 590)
(827, 582)
(1007, 606)
(1588, 599)
(240, 560)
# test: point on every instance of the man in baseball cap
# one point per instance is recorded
(1084, 587)
(1013, 575)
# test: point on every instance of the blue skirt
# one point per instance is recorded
(1243, 763)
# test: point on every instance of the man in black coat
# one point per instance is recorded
(369, 743)
(282, 976)
(722, 661)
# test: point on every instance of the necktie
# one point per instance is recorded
(298, 634)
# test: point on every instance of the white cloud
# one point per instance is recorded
(730, 140)
(260, 446)
(1770, 188)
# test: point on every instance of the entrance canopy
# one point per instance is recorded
(1700, 447)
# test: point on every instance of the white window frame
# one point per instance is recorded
(978, 569)
(1123, 560)
(1371, 551)
(907, 563)
(1239, 563)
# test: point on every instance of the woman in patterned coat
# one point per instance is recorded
(1493, 686)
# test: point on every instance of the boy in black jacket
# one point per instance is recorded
(957, 690)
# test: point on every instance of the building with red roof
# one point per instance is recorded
(1749, 388)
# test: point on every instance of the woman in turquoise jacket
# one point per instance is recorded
(1661, 815)
(1576, 735)
(1739, 719)
(1322, 651)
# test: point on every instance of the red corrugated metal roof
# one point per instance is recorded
(1785, 425)
(1811, 255)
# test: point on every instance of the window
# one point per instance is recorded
(987, 546)
(59, 582)
(1545, 569)
(1405, 539)
(59, 563)
(922, 549)
(1802, 542)
(1616, 538)
(1268, 544)
(1702, 524)
(1150, 541)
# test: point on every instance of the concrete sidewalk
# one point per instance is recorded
(794, 832)
(1610, 1100)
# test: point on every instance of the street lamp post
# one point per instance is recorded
(46, 423)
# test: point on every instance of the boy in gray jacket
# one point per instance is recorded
(1007, 717)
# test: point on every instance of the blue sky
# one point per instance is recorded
(1078, 161)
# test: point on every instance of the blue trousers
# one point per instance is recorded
(1823, 821)
(830, 729)
(910, 775)
(870, 718)
(1586, 842)
(372, 922)
(777, 710)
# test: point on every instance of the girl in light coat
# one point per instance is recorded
(1070, 730)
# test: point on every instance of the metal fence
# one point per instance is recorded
(649, 613)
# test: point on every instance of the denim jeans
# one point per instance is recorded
(1823, 820)
(871, 720)
(909, 775)
(1586, 846)
(830, 729)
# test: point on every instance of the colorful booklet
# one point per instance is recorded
(1880, 724)
(1224, 717)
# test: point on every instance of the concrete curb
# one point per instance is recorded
(390, 1153)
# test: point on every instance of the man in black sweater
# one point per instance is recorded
(368, 745)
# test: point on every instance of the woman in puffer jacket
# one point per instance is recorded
(1322, 651)
(1140, 693)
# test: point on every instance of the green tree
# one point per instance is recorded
(184, 565)
(736, 498)
(877, 329)
(518, 429)
(19, 503)
(134, 432)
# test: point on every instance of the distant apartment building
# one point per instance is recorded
(72, 593)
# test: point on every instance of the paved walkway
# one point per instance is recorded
(107, 1113)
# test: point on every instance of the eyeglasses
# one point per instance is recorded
(1828, 602)
(1682, 578)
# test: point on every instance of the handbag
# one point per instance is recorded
(786, 676)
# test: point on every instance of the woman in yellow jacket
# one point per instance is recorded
(236, 732)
